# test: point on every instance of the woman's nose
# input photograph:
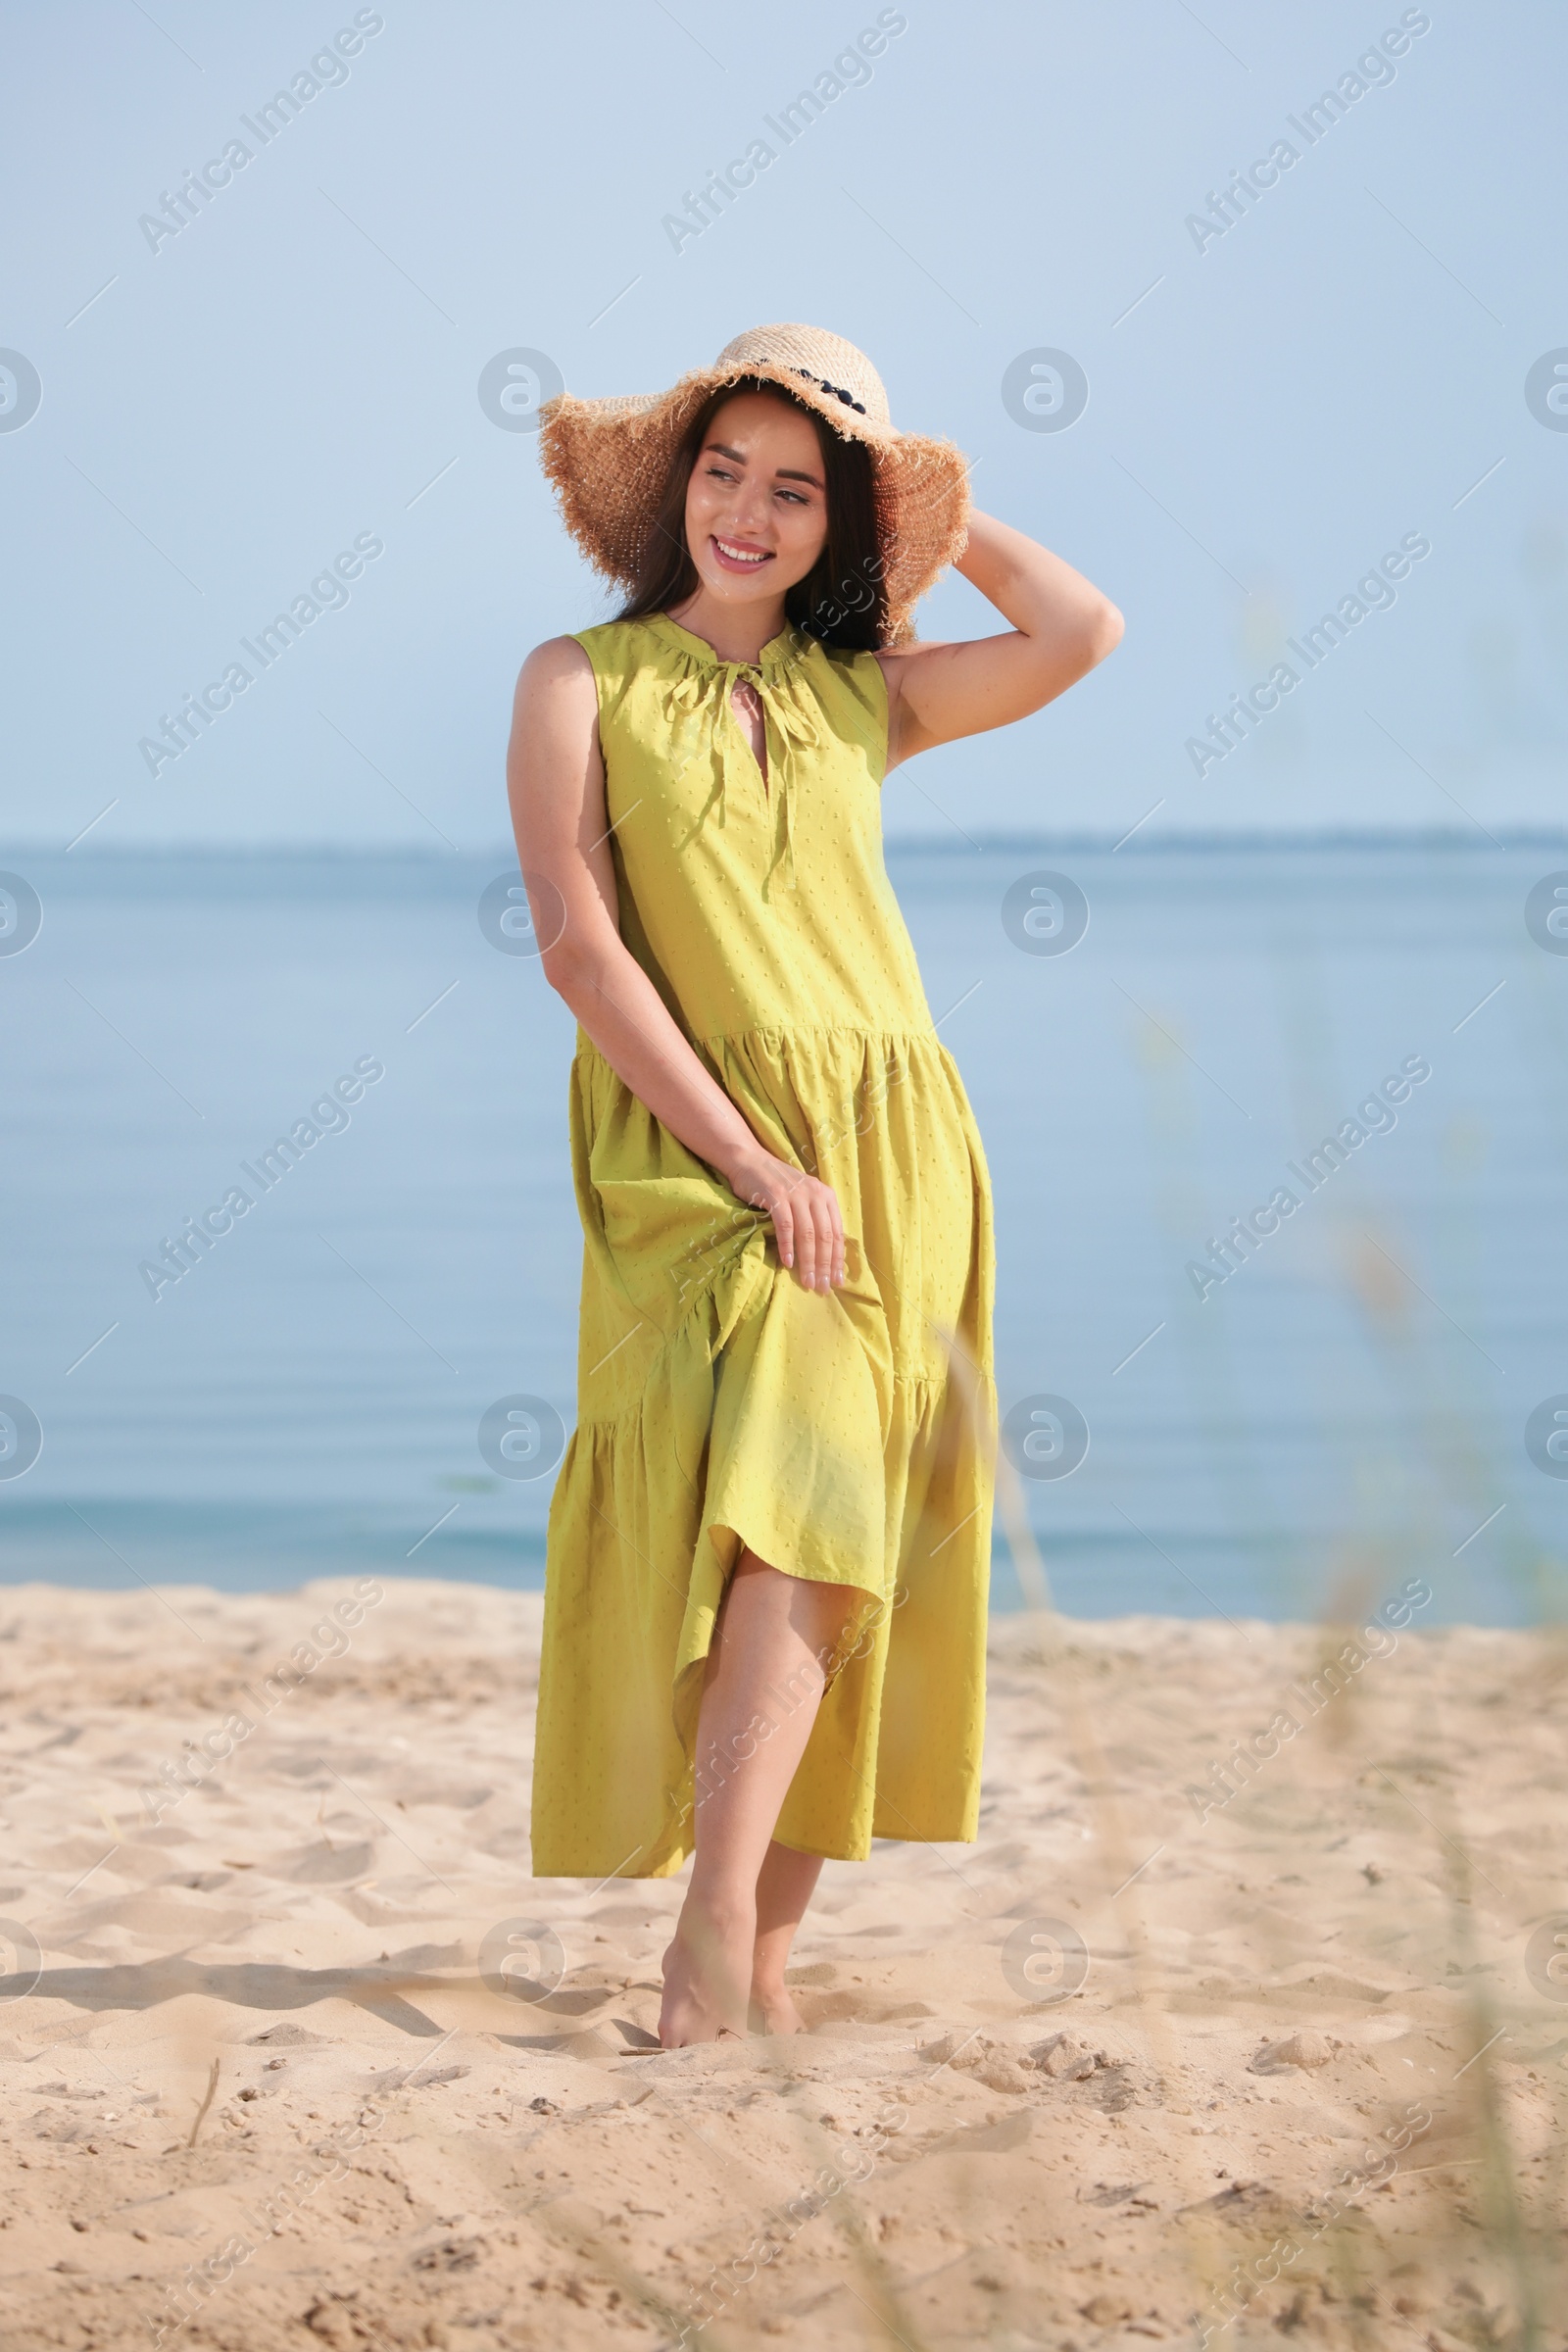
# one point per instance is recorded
(749, 511)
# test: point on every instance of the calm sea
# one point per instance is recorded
(1347, 1409)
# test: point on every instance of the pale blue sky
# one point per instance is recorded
(299, 368)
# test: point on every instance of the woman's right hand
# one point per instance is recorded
(807, 1223)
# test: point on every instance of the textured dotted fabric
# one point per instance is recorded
(846, 1436)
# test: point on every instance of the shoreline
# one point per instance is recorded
(1081, 1562)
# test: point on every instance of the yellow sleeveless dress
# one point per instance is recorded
(846, 1436)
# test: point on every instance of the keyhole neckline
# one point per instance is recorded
(744, 716)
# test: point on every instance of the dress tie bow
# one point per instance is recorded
(705, 718)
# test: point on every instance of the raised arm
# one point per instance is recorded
(556, 785)
(1062, 627)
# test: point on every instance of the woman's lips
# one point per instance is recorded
(755, 560)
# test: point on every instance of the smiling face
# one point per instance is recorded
(757, 502)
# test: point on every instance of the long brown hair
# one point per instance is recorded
(843, 598)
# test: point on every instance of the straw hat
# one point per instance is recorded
(608, 459)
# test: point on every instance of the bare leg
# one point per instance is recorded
(764, 1686)
(786, 1884)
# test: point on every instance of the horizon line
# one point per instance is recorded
(1432, 837)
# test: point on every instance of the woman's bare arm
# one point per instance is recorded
(556, 785)
(1062, 627)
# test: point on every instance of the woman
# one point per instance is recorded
(770, 1541)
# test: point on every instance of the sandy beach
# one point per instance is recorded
(298, 2053)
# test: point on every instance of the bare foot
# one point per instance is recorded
(772, 2011)
(706, 1969)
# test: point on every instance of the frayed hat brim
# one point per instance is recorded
(608, 462)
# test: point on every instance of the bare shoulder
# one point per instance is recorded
(555, 711)
(556, 697)
(556, 661)
(898, 663)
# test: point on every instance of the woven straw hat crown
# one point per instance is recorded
(608, 459)
(824, 361)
